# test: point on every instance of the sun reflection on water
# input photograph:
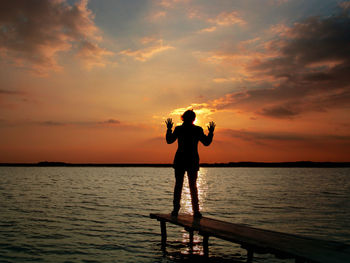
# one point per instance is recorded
(196, 248)
(186, 203)
(186, 206)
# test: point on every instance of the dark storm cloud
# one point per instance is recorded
(310, 68)
(314, 40)
(315, 62)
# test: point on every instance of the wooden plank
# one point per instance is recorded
(254, 239)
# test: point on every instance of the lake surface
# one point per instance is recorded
(94, 214)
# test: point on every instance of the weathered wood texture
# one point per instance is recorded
(264, 241)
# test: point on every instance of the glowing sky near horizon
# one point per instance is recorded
(93, 81)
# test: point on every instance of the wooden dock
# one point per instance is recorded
(303, 249)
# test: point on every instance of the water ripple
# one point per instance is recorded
(102, 214)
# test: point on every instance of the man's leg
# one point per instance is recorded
(192, 182)
(179, 179)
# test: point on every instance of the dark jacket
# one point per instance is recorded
(188, 136)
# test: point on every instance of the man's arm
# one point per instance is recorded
(207, 139)
(170, 135)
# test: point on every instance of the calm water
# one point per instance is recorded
(102, 214)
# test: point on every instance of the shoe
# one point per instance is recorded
(174, 213)
(197, 214)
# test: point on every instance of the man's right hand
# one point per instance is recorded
(169, 123)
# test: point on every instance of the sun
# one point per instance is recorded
(203, 113)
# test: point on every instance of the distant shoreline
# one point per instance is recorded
(301, 164)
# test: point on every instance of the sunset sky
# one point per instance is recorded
(93, 81)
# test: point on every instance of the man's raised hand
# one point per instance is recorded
(211, 126)
(169, 123)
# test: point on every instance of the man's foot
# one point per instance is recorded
(197, 214)
(174, 213)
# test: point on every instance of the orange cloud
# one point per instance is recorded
(221, 20)
(286, 78)
(144, 54)
(278, 2)
(171, 3)
(345, 5)
(92, 55)
(227, 19)
(208, 29)
(158, 15)
(224, 19)
(32, 36)
(235, 65)
(193, 13)
(224, 80)
(279, 30)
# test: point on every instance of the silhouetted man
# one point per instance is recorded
(186, 158)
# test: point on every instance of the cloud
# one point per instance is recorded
(280, 111)
(227, 19)
(278, 2)
(143, 54)
(233, 65)
(194, 13)
(345, 5)
(286, 143)
(158, 15)
(329, 39)
(279, 30)
(260, 136)
(312, 64)
(92, 55)
(51, 123)
(170, 3)
(304, 68)
(224, 19)
(110, 121)
(208, 29)
(9, 92)
(32, 35)
(223, 80)
(11, 98)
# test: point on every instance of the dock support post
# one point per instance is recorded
(250, 254)
(206, 245)
(191, 237)
(190, 232)
(163, 232)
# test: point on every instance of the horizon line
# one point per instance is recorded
(226, 164)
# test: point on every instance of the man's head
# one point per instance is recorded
(188, 117)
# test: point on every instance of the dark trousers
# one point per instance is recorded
(192, 182)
